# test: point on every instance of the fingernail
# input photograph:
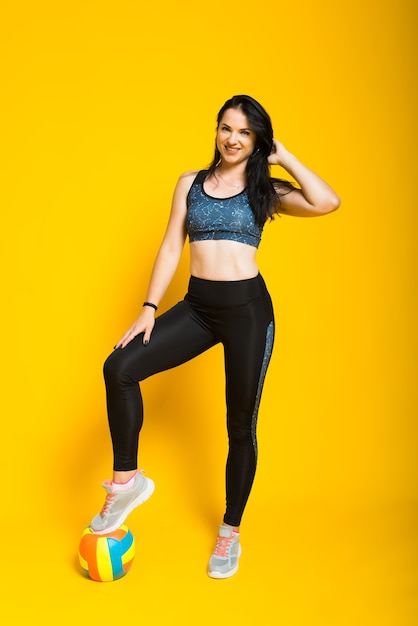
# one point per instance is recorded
(146, 342)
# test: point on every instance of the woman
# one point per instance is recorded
(223, 211)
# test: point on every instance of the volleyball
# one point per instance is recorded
(107, 557)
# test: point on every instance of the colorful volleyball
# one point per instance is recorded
(107, 557)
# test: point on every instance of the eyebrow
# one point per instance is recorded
(227, 125)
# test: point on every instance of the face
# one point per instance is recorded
(234, 138)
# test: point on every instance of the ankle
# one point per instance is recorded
(235, 529)
(123, 477)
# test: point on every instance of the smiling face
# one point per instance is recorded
(234, 138)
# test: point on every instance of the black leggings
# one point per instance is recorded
(238, 314)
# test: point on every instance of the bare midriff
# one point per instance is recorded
(222, 260)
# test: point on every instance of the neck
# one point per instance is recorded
(235, 171)
(232, 175)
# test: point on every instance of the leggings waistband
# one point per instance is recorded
(222, 293)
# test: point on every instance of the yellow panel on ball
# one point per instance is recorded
(106, 557)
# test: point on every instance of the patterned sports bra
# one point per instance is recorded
(220, 218)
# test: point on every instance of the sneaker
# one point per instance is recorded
(224, 560)
(119, 504)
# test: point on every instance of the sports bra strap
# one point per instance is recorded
(200, 177)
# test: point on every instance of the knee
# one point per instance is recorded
(108, 368)
(114, 369)
(240, 430)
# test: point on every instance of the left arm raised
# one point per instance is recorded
(315, 197)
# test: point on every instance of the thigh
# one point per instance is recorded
(248, 347)
(177, 337)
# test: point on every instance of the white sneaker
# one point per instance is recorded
(119, 504)
(224, 560)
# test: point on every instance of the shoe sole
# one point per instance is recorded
(144, 495)
(220, 575)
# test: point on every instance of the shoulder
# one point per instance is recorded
(183, 186)
(185, 182)
(187, 178)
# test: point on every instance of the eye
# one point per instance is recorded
(245, 133)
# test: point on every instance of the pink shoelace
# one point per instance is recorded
(222, 546)
(107, 503)
(110, 497)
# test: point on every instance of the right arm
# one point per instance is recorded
(166, 262)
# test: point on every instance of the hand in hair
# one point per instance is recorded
(278, 154)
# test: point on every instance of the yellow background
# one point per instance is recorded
(103, 105)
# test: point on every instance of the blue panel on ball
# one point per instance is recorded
(117, 548)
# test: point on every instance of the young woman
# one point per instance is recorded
(223, 211)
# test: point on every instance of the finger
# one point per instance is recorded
(119, 344)
(147, 335)
(130, 335)
(127, 337)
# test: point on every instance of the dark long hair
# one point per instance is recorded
(261, 188)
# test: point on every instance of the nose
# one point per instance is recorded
(233, 137)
